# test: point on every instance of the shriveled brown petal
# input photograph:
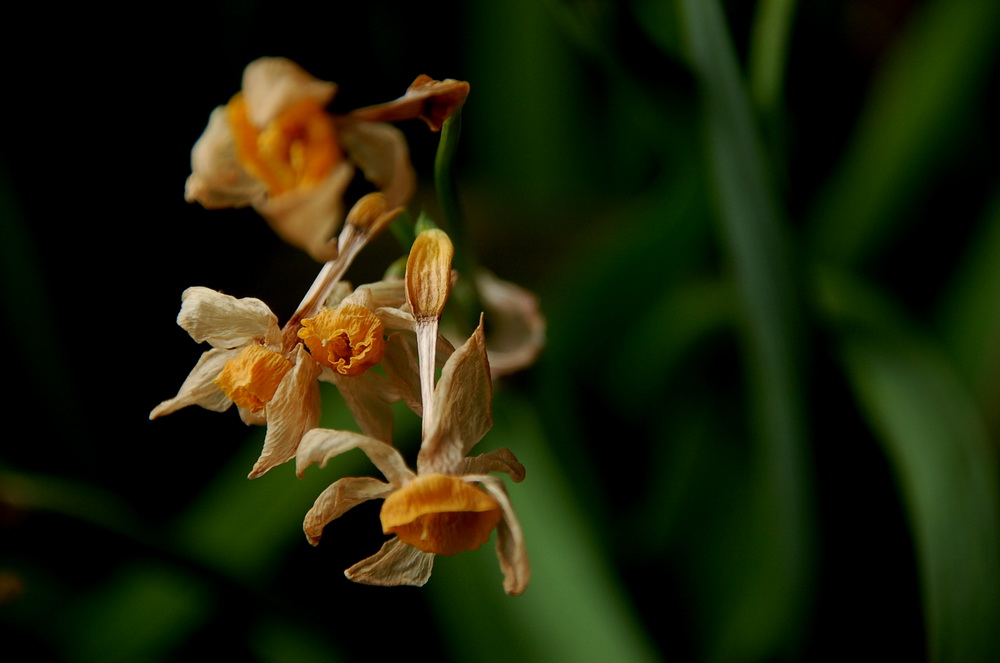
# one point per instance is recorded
(395, 564)
(388, 293)
(272, 85)
(510, 539)
(500, 460)
(368, 397)
(321, 444)
(400, 364)
(293, 411)
(309, 217)
(217, 178)
(430, 100)
(381, 152)
(199, 387)
(463, 408)
(339, 497)
(227, 322)
(517, 327)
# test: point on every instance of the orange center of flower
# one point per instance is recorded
(440, 514)
(251, 377)
(298, 149)
(348, 338)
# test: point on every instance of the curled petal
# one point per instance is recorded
(462, 411)
(500, 460)
(510, 539)
(380, 151)
(217, 178)
(199, 388)
(308, 217)
(321, 444)
(293, 410)
(395, 564)
(272, 85)
(400, 364)
(517, 331)
(430, 100)
(339, 497)
(227, 322)
(368, 397)
(390, 293)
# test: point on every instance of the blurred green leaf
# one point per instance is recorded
(769, 51)
(944, 463)
(918, 107)
(763, 610)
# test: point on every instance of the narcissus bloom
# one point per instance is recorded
(274, 147)
(450, 504)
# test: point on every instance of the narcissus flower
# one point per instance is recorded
(451, 504)
(275, 147)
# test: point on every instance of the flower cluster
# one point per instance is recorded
(274, 147)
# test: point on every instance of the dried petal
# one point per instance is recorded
(199, 388)
(218, 179)
(517, 327)
(227, 322)
(339, 497)
(321, 444)
(293, 411)
(462, 412)
(347, 339)
(368, 397)
(272, 85)
(394, 564)
(440, 514)
(430, 100)
(382, 154)
(499, 460)
(510, 539)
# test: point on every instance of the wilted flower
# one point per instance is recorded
(439, 510)
(276, 148)
(247, 365)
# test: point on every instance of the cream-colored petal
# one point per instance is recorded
(339, 497)
(517, 326)
(199, 387)
(321, 444)
(337, 294)
(395, 564)
(226, 322)
(510, 539)
(395, 318)
(217, 178)
(381, 152)
(309, 217)
(293, 411)
(463, 408)
(388, 293)
(400, 364)
(272, 85)
(368, 397)
(500, 460)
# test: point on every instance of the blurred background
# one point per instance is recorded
(766, 238)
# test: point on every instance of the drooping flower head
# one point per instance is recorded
(276, 148)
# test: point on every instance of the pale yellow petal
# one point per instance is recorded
(226, 322)
(400, 364)
(381, 152)
(272, 85)
(321, 444)
(339, 497)
(217, 178)
(293, 411)
(199, 387)
(395, 564)
(463, 408)
(309, 217)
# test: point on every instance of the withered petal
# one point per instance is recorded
(382, 154)
(463, 408)
(430, 100)
(226, 322)
(510, 539)
(338, 498)
(395, 564)
(517, 326)
(308, 218)
(499, 460)
(321, 444)
(293, 411)
(272, 85)
(368, 397)
(217, 178)
(199, 387)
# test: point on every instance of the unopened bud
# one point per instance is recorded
(428, 273)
